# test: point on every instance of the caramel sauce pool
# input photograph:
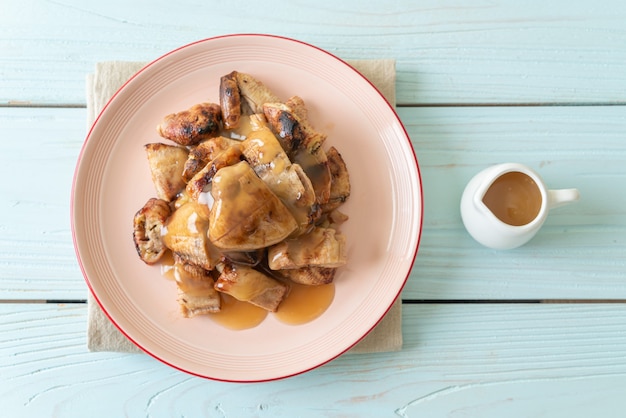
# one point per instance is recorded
(301, 305)
(305, 303)
(514, 198)
(238, 315)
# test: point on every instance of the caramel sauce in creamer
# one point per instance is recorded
(514, 198)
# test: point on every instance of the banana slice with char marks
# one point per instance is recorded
(246, 215)
(286, 180)
(190, 126)
(340, 181)
(196, 289)
(322, 247)
(290, 120)
(230, 100)
(166, 164)
(202, 180)
(249, 285)
(303, 145)
(310, 276)
(147, 225)
(203, 153)
(254, 92)
(185, 233)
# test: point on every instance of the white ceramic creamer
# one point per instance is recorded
(504, 205)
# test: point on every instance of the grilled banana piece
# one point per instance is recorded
(185, 233)
(340, 180)
(203, 153)
(202, 179)
(255, 93)
(147, 225)
(286, 180)
(249, 285)
(322, 247)
(296, 104)
(196, 289)
(267, 158)
(189, 127)
(290, 125)
(245, 214)
(311, 276)
(303, 145)
(230, 100)
(315, 166)
(166, 169)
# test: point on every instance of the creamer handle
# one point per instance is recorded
(562, 197)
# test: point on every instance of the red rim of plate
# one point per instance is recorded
(73, 208)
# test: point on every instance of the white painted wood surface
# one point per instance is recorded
(580, 253)
(451, 51)
(480, 82)
(458, 360)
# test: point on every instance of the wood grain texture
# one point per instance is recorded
(448, 52)
(579, 247)
(580, 252)
(457, 361)
(39, 151)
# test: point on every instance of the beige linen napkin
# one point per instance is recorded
(108, 77)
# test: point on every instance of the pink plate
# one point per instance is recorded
(112, 181)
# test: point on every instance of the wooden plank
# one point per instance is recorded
(579, 247)
(580, 252)
(39, 151)
(562, 360)
(447, 52)
(579, 147)
(561, 263)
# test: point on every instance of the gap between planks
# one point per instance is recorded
(404, 301)
(508, 301)
(28, 104)
(529, 104)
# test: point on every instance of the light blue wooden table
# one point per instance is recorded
(537, 331)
